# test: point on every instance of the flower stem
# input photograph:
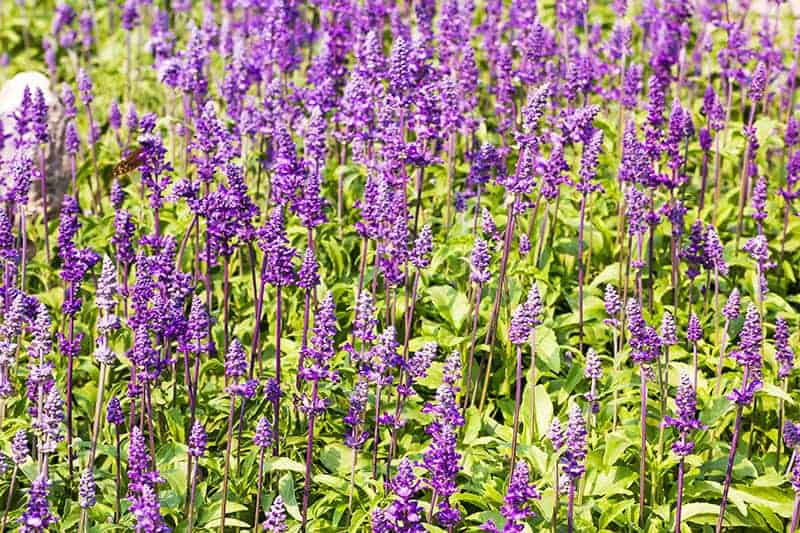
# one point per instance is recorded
(43, 179)
(679, 502)
(517, 402)
(533, 430)
(309, 456)
(257, 514)
(118, 475)
(192, 493)
(302, 356)
(228, 439)
(570, 506)
(581, 221)
(781, 414)
(352, 480)
(473, 335)
(643, 447)
(490, 336)
(276, 405)
(10, 495)
(737, 426)
(376, 432)
(723, 345)
(98, 411)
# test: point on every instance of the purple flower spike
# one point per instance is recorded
(593, 368)
(37, 517)
(198, 440)
(276, 517)
(365, 321)
(572, 460)
(612, 303)
(87, 489)
(520, 329)
(263, 435)
(19, 447)
(694, 331)
(731, 309)
(114, 412)
(235, 361)
(517, 501)
(715, 251)
(783, 351)
(308, 274)
(669, 335)
(791, 434)
(758, 83)
(686, 419)
(479, 262)
(423, 246)
(404, 513)
(555, 434)
(85, 87)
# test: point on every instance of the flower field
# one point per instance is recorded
(399, 266)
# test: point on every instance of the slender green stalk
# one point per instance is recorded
(228, 440)
(517, 402)
(260, 482)
(10, 496)
(643, 446)
(192, 493)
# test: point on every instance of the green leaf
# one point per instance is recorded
(777, 392)
(472, 427)
(547, 349)
(451, 304)
(286, 490)
(283, 464)
(616, 444)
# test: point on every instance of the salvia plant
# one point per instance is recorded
(380, 266)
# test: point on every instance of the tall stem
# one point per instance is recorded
(451, 166)
(226, 265)
(473, 335)
(192, 493)
(43, 172)
(309, 456)
(352, 480)
(534, 429)
(643, 446)
(557, 500)
(71, 338)
(490, 336)
(304, 341)
(260, 483)
(723, 345)
(781, 413)
(276, 405)
(376, 432)
(570, 506)
(517, 402)
(679, 502)
(117, 475)
(228, 439)
(409, 320)
(737, 426)
(10, 495)
(98, 412)
(580, 271)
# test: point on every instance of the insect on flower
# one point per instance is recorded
(132, 161)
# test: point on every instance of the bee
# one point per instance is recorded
(133, 161)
